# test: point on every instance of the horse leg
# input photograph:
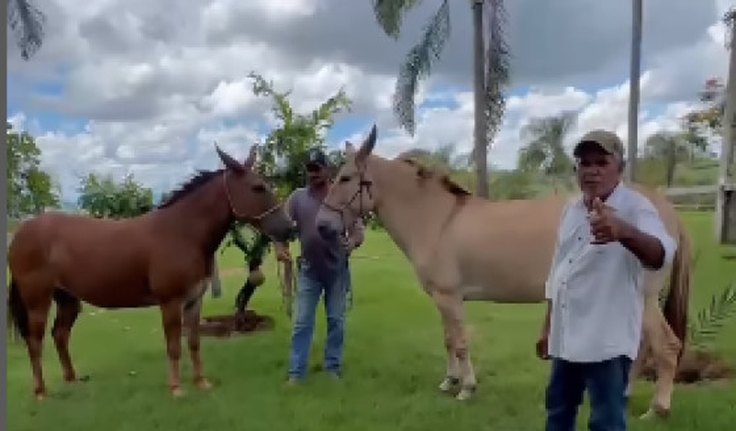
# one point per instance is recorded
(38, 311)
(638, 364)
(192, 311)
(451, 308)
(171, 314)
(663, 345)
(68, 308)
(452, 375)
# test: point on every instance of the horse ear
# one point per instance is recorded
(251, 157)
(368, 144)
(229, 162)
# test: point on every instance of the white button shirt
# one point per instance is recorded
(596, 290)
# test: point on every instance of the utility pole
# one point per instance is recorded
(634, 73)
(726, 201)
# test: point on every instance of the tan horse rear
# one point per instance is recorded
(466, 248)
(161, 258)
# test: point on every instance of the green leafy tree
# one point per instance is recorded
(708, 119)
(27, 23)
(103, 197)
(491, 68)
(512, 185)
(281, 160)
(283, 154)
(30, 190)
(668, 148)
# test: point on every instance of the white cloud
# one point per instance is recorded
(157, 85)
(17, 121)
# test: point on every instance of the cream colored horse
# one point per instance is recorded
(467, 248)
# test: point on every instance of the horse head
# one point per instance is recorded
(352, 194)
(251, 199)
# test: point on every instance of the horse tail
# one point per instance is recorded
(17, 312)
(677, 302)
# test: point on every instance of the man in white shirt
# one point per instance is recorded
(607, 238)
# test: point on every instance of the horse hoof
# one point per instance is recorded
(73, 378)
(203, 384)
(655, 412)
(40, 396)
(448, 384)
(465, 394)
(177, 392)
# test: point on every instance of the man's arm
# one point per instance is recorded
(648, 239)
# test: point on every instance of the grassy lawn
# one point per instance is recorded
(394, 361)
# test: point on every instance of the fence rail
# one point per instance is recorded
(692, 190)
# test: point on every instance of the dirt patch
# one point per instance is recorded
(225, 326)
(695, 367)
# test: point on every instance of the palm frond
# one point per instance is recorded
(532, 157)
(390, 14)
(546, 150)
(729, 19)
(27, 23)
(711, 319)
(497, 72)
(418, 64)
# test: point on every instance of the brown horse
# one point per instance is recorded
(463, 248)
(162, 258)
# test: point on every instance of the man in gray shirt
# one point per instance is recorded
(323, 267)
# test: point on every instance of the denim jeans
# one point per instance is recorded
(309, 291)
(606, 383)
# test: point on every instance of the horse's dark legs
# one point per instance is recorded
(68, 308)
(38, 313)
(192, 313)
(171, 314)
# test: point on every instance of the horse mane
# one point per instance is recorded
(200, 178)
(426, 172)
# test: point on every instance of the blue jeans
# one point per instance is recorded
(606, 382)
(309, 291)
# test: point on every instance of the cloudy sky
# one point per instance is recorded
(147, 86)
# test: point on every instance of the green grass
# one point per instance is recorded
(394, 360)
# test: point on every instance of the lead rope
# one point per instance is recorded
(287, 281)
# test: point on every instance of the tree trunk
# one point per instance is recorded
(634, 73)
(480, 146)
(671, 162)
(726, 204)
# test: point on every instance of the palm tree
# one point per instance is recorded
(491, 68)
(27, 22)
(544, 151)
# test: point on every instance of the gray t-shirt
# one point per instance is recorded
(322, 258)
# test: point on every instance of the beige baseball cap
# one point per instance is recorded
(608, 141)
